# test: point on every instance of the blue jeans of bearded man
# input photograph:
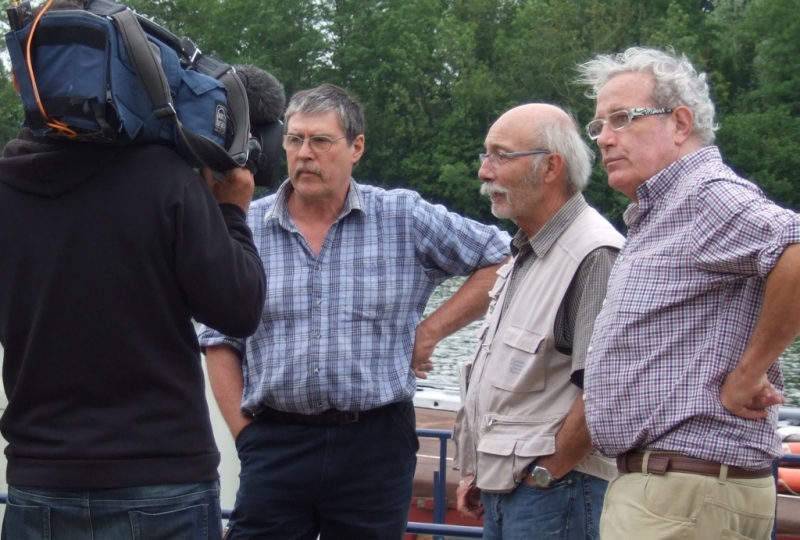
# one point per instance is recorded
(569, 509)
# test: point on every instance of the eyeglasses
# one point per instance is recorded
(318, 143)
(619, 120)
(498, 158)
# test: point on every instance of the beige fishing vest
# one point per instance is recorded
(520, 391)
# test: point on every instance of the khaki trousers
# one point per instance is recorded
(681, 506)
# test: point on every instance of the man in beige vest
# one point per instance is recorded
(523, 447)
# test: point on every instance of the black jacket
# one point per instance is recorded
(106, 254)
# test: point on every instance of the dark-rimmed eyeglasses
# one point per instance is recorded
(619, 120)
(498, 158)
(318, 143)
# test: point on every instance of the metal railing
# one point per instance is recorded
(438, 528)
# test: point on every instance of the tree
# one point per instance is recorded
(433, 75)
(10, 108)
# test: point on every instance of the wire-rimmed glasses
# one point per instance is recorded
(498, 158)
(318, 143)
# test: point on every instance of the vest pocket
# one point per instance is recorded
(519, 365)
(503, 462)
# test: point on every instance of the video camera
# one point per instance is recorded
(92, 70)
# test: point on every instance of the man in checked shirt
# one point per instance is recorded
(682, 378)
(319, 399)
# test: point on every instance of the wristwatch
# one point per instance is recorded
(541, 476)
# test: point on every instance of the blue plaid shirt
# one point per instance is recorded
(683, 298)
(338, 328)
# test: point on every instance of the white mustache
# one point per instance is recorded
(489, 189)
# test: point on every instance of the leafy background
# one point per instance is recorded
(434, 74)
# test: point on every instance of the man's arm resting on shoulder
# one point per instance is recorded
(746, 392)
(227, 383)
(573, 443)
(468, 304)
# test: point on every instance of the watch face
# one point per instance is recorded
(542, 477)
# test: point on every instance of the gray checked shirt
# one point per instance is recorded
(338, 327)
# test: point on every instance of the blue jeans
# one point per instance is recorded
(167, 512)
(569, 509)
(341, 483)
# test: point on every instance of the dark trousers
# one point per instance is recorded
(349, 482)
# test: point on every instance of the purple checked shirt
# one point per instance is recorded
(682, 302)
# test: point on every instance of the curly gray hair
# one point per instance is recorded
(677, 82)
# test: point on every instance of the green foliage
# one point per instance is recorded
(765, 147)
(10, 108)
(433, 75)
(777, 59)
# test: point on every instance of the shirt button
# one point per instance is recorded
(316, 370)
(621, 258)
(589, 349)
(317, 336)
(319, 302)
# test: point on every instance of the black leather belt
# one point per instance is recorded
(659, 463)
(329, 418)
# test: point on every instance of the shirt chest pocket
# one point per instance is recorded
(518, 364)
(370, 288)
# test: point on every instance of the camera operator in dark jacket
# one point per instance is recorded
(108, 253)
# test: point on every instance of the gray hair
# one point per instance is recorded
(677, 82)
(564, 138)
(329, 97)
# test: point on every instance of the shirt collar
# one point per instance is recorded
(664, 181)
(543, 240)
(280, 210)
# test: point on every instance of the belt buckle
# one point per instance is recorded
(658, 464)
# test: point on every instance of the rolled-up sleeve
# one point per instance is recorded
(456, 245)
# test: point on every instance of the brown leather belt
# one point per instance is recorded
(664, 463)
(329, 418)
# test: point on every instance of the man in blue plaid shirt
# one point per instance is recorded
(682, 376)
(319, 399)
